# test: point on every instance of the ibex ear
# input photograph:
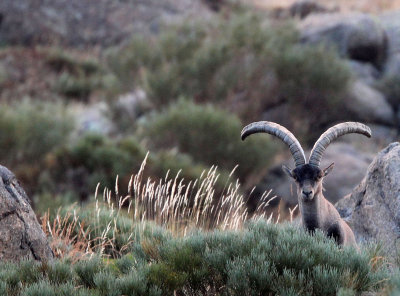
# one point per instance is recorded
(287, 171)
(328, 169)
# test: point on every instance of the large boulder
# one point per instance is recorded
(356, 36)
(350, 167)
(390, 21)
(369, 105)
(365, 72)
(373, 209)
(20, 233)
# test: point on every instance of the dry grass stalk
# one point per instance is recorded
(169, 202)
(178, 205)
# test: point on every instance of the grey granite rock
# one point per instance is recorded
(21, 236)
(373, 209)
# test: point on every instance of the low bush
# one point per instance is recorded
(245, 62)
(393, 288)
(78, 76)
(74, 87)
(60, 61)
(30, 132)
(94, 159)
(261, 259)
(97, 159)
(210, 136)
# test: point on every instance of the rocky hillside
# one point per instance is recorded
(81, 24)
(369, 45)
(125, 70)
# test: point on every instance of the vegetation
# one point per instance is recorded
(262, 259)
(212, 76)
(188, 232)
(78, 77)
(209, 135)
(30, 131)
(243, 63)
(115, 247)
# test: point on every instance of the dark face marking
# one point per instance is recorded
(308, 179)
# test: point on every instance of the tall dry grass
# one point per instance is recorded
(171, 202)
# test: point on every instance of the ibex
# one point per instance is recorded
(316, 211)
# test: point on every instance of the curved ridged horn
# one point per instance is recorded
(278, 131)
(332, 134)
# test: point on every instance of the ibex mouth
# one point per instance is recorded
(307, 198)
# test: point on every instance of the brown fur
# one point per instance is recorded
(316, 211)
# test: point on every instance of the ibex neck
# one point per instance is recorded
(311, 212)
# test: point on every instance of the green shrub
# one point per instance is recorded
(59, 273)
(87, 271)
(134, 283)
(165, 277)
(313, 80)
(261, 259)
(106, 284)
(10, 275)
(96, 159)
(66, 289)
(75, 87)
(125, 264)
(78, 76)
(30, 271)
(60, 60)
(242, 61)
(210, 136)
(393, 287)
(42, 288)
(30, 132)
(3, 288)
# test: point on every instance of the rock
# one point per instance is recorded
(303, 8)
(92, 118)
(79, 23)
(390, 21)
(130, 106)
(373, 208)
(392, 67)
(369, 105)
(350, 167)
(20, 233)
(381, 137)
(365, 72)
(356, 36)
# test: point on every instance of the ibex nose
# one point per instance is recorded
(307, 193)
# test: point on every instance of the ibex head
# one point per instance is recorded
(308, 176)
(308, 179)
